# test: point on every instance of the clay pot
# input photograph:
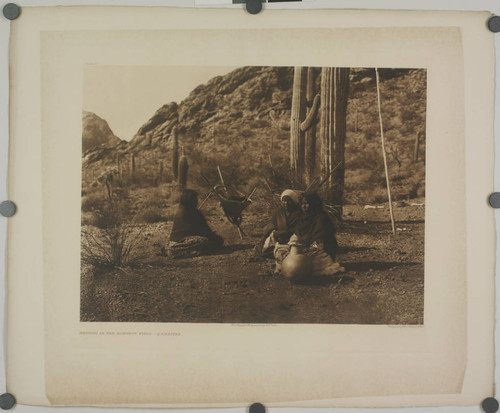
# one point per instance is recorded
(296, 267)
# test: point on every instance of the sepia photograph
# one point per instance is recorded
(304, 210)
(253, 195)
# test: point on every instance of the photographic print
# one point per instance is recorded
(201, 206)
(253, 195)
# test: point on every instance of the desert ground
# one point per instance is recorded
(383, 282)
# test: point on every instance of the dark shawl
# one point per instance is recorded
(283, 222)
(188, 220)
(316, 225)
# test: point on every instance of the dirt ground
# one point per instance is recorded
(383, 282)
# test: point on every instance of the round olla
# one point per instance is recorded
(297, 267)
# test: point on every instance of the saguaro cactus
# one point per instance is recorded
(109, 187)
(132, 165)
(302, 127)
(119, 165)
(298, 113)
(183, 171)
(334, 94)
(175, 153)
(309, 125)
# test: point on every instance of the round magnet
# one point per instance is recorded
(7, 208)
(490, 405)
(494, 24)
(7, 401)
(254, 6)
(257, 408)
(494, 199)
(11, 11)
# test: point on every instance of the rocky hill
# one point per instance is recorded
(240, 121)
(96, 133)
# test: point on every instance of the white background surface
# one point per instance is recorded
(490, 5)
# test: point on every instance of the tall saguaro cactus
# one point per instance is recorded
(309, 125)
(303, 124)
(175, 153)
(183, 171)
(119, 165)
(297, 136)
(132, 166)
(334, 94)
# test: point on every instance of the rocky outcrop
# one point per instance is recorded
(96, 133)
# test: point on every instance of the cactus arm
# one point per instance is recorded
(312, 116)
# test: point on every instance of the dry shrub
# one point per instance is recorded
(113, 241)
(92, 201)
(151, 215)
(110, 247)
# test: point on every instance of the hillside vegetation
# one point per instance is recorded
(240, 122)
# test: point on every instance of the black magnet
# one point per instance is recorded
(11, 11)
(7, 401)
(254, 7)
(7, 208)
(494, 24)
(490, 405)
(494, 199)
(259, 408)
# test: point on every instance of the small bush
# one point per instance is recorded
(246, 133)
(112, 242)
(260, 123)
(151, 215)
(92, 201)
(110, 247)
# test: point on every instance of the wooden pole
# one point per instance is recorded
(205, 200)
(417, 147)
(222, 180)
(240, 232)
(383, 153)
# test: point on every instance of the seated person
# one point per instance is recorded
(314, 236)
(282, 225)
(191, 235)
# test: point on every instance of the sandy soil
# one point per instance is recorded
(383, 282)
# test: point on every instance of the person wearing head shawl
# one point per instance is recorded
(315, 236)
(191, 235)
(282, 225)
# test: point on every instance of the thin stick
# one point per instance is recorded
(206, 180)
(205, 200)
(417, 144)
(320, 184)
(251, 193)
(268, 186)
(240, 231)
(222, 180)
(272, 168)
(383, 153)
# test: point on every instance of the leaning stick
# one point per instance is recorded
(240, 231)
(315, 184)
(205, 200)
(417, 146)
(383, 153)
(222, 180)
(251, 193)
(206, 180)
(272, 168)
